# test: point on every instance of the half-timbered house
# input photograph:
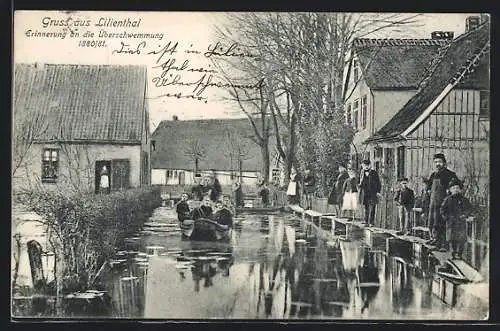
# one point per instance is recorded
(449, 114)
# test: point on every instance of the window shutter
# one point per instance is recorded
(120, 174)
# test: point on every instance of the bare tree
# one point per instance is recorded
(196, 151)
(27, 129)
(301, 58)
(236, 147)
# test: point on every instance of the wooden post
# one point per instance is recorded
(35, 258)
(472, 222)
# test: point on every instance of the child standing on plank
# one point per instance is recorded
(454, 210)
(405, 199)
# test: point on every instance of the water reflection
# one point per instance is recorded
(272, 268)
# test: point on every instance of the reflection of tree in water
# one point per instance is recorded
(402, 292)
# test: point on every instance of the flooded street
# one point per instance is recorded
(273, 268)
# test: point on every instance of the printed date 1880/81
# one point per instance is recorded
(92, 43)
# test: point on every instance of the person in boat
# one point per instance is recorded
(454, 211)
(204, 210)
(222, 215)
(182, 208)
(205, 182)
(226, 201)
(197, 189)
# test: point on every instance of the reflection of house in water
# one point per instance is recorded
(402, 292)
(368, 279)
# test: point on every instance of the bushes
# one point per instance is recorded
(85, 229)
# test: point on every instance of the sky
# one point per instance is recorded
(191, 31)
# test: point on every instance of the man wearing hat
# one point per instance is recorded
(455, 210)
(369, 191)
(439, 182)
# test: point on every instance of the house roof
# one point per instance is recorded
(395, 63)
(455, 57)
(219, 138)
(83, 102)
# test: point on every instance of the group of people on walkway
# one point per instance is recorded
(444, 208)
(350, 189)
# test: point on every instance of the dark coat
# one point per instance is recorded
(309, 183)
(454, 210)
(336, 194)
(405, 197)
(183, 212)
(197, 192)
(216, 190)
(369, 186)
(202, 212)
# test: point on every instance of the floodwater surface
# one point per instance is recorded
(273, 268)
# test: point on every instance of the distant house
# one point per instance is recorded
(224, 145)
(449, 114)
(382, 75)
(80, 118)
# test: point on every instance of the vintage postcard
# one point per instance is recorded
(245, 165)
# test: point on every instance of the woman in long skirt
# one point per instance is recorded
(350, 189)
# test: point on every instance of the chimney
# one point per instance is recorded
(447, 35)
(175, 118)
(484, 18)
(472, 22)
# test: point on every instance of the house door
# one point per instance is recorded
(99, 166)
(182, 178)
(120, 174)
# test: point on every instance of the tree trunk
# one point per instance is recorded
(196, 165)
(265, 161)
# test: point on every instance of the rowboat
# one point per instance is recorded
(205, 230)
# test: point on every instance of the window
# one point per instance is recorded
(355, 109)
(484, 103)
(153, 145)
(401, 162)
(50, 165)
(378, 152)
(355, 70)
(348, 114)
(363, 111)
